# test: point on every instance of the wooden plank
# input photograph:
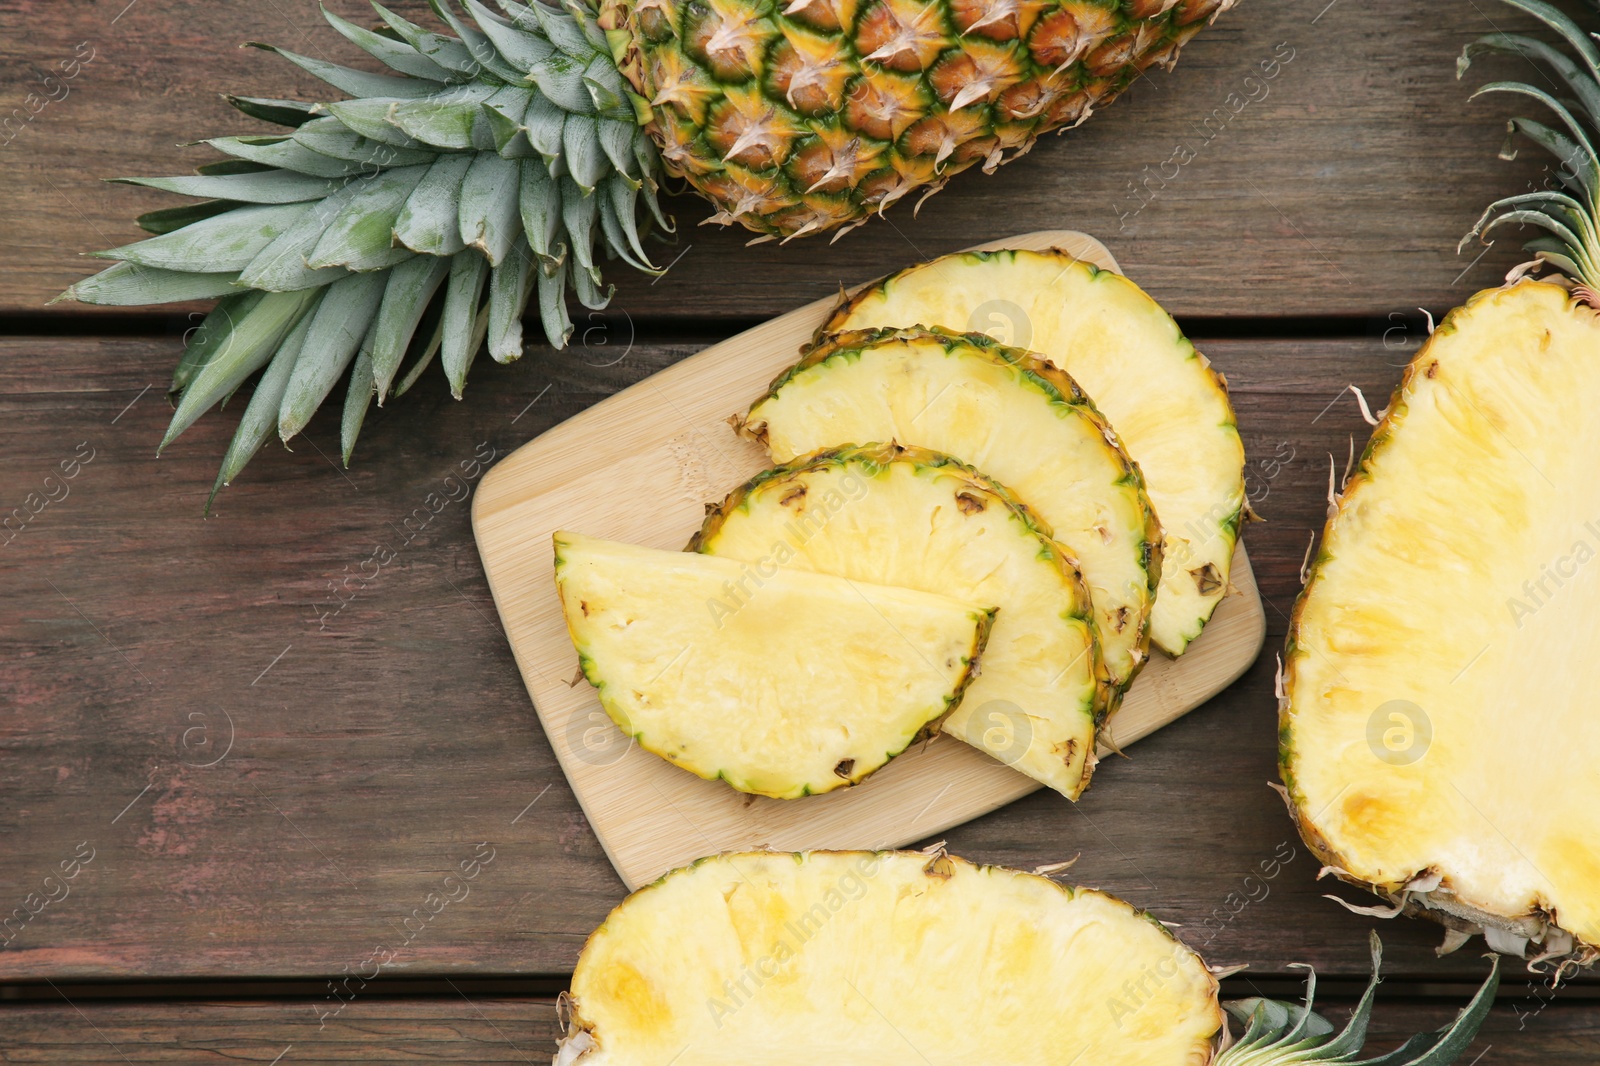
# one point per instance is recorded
(642, 467)
(377, 744)
(1518, 1032)
(1340, 185)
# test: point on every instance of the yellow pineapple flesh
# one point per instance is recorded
(1170, 410)
(781, 682)
(1439, 740)
(918, 519)
(1005, 413)
(890, 958)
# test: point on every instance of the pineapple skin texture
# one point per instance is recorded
(890, 958)
(1476, 485)
(795, 118)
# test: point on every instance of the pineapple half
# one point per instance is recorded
(1439, 739)
(414, 212)
(1002, 411)
(1169, 407)
(921, 959)
(920, 519)
(783, 683)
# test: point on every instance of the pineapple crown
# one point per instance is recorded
(1290, 1034)
(1568, 209)
(415, 219)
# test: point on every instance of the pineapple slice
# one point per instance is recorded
(1004, 412)
(783, 683)
(1169, 407)
(920, 519)
(1439, 740)
(891, 958)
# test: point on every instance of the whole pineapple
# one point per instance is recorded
(496, 164)
(801, 117)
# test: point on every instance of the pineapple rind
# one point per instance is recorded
(911, 517)
(1169, 407)
(1071, 473)
(869, 112)
(1482, 861)
(781, 682)
(911, 960)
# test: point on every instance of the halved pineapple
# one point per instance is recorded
(1439, 736)
(782, 682)
(1168, 406)
(1006, 413)
(890, 958)
(920, 519)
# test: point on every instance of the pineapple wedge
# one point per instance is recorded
(895, 959)
(783, 683)
(1006, 413)
(922, 959)
(920, 519)
(1439, 739)
(1168, 406)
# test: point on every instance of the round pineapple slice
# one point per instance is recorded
(890, 958)
(915, 518)
(1002, 411)
(1169, 407)
(1439, 736)
(782, 682)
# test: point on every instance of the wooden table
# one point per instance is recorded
(273, 775)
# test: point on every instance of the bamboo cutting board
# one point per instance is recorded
(640, 467)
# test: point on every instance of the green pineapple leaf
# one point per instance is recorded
(1567, 208)
(414, 217)
(1291, 1034)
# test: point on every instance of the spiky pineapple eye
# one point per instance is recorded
(657, 19)
(998, 20)
(978, 73)
(1123, 52)
(884, 105)
(1030, 99)
(819, 14)
(810, 72)
(1065, 36)
(729, 37)
(749, 129)
(903, 35)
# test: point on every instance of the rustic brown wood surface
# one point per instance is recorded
(522, 1031)
(1340, 185)
(277, 732)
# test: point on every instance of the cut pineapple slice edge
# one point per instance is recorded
(1005, 413)
(1168, 407)
(782, 682)
(910, 517)
(891, 958)
(1439, 740)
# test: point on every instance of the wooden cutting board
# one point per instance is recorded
(640, 467)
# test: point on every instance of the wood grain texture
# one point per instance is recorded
(1338, 186)
(378, 750)
(522, 1031)
(642, 467)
